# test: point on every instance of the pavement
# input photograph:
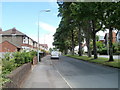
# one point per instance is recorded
(44, 75)
(107, 56)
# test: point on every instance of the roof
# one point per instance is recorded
(12, 44)
(10, 31)
(44, 45)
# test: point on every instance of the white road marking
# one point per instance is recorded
(64, 79)
(61, 75)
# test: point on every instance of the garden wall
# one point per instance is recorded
(35, 61)
(18, 75)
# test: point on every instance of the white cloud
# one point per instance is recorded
(47, 37)
(44, 39)
(47, 27)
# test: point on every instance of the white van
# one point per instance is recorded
(55, 54)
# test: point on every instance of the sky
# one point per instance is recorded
(24, 17)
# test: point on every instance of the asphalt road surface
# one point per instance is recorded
(81, 74)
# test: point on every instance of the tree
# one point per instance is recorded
(111, 20)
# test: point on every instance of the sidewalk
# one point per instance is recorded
(44, 75)
(107, 56)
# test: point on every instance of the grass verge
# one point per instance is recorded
(100, 60)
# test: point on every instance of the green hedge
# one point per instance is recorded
(14, 60)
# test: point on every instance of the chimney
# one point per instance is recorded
(13, 31)
(0, 30)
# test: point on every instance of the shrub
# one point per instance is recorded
(8, 65)
(24, 57)
(12, 61)
(31, 55)
(103, 51)
(19, 59)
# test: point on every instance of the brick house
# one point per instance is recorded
(8, 47)
(106, 37)
(44, 46)
(16, 39)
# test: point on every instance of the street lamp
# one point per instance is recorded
(47, 10)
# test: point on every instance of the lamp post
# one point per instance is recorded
(47, 10)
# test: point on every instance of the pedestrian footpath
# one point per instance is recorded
(44, 75)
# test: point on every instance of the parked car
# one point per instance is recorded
(55, 54)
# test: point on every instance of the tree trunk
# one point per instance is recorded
(72, 43)
(110, 45)
(66, 50)
(88, 46)
(94, 41)
(79, 41)
(88, 39)
(94, 46)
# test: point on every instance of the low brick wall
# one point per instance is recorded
(17, 76)
(35, 61)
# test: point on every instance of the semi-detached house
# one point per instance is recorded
(13, 40)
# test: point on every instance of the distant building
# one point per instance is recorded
(44, 46)
(17, 39)
(101, 38)
(106, 37)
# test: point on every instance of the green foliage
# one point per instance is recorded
(103, 51)
(116, 47)
(7, 56)
(12, 61)
(8, 65)
(3, 80)
(100, 45)
(23, 57)
(94, 16)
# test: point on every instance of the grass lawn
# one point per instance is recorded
(100, 60)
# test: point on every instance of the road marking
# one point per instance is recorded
(61, 75)
(64, 79)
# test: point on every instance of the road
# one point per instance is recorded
(81, 74)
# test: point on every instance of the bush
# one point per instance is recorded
(116, 48)
(103, 51)
(31, 55)
(24, 57)
(19, 58)
(12, 61)
(117, 53)
(8, 66)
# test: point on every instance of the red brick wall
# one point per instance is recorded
(7, 47)
(35, 60)
(114, 37)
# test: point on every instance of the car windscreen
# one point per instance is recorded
(54, 53)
